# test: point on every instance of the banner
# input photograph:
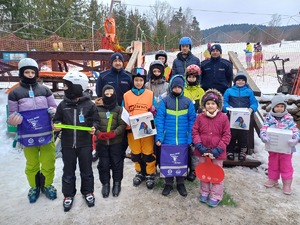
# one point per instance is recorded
(173, 160)
(35, 129)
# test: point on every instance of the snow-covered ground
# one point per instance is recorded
(255, 203)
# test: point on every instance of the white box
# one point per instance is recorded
(142, 125)
(239, 118)
(279, 140)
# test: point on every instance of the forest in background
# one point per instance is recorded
(161, 25)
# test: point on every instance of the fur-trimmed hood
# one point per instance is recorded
(214, 95)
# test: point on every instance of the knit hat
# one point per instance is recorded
(116, 55)
(278, 99)
(178, 81)
(216, 46)
(212, 95)
(240, 75)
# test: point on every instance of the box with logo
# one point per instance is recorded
(279, 140)
(142, 125)
(239, 118)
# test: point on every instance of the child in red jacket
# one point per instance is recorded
(211, 135)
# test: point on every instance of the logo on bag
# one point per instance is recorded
(170, 171)
(178, 172)
(175, 157)
(30, 140)
(41, 140)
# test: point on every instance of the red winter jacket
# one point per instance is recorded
(212, 132)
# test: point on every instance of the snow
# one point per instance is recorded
(255, 203)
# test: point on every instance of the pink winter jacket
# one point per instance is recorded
(212, 132)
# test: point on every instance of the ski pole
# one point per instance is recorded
(72, 127)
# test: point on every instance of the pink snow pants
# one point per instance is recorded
(280, 164)
(214, 190)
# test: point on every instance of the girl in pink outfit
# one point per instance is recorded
(280, 164)
(211, 135)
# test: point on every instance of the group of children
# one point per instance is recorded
(186, 117)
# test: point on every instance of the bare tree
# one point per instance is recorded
(160, 11)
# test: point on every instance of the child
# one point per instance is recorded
(77, 109)
(194, 92)
(211, 135)
(109, 146)
(32, 97)
(280, 164)
(159, 86)
(239, 96)
(174, 121)
(136, 101)
(162, 56)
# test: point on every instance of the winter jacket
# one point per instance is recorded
(19, 100)
(194, 93)
(239, 97)
(120, 79)
(216, 73)
(174, 120)
(212, 132)
(181, 63)
(68, 112)
(159, 88)
(117, 124)
(249, 49)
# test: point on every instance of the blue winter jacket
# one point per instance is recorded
(174, 120)
(239, 97)
(181, 63)
(121, 80)
(216, 73)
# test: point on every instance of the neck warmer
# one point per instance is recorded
(211, 115)
(110, 102)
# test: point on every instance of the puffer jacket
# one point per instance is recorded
(159, 88)
(194, 93)
(19, 100)
(239, 97)
(68, 112)
(181, 63)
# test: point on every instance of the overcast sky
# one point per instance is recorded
(220, 12)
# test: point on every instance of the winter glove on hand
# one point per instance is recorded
(15, 119)
(153, 110)
(102, 136)
(98, 101)
(264, 138)
(202, 149)
(111, 134)
(292, 142)
(216, 151)
(52, 111)
(209, 155)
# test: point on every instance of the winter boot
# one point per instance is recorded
(271, 183)
(33, 194)
(116, 189)
(203, 198)
(138, 179)
(50, 192)
(191, 176)
(243, 154)
(90, 199)
(181, 189)
(287, 189)
(67, 203)
(105, 190)
(212, 202)
(230, 156)
(167, 190)
(150, 181)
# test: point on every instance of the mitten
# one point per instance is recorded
(102, 136)
(264, 137)
(216, 151)
(111, 134)
(292, 142)
(15, 119)
(52, 111)
(153, 110)
(202, 149)
(210, 155)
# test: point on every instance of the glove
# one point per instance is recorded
(102, 136)
(264, 138)
(51, 111)
(202, 149)
(111, 134)
(216, 151)
(153, 110)
(209, 155)
(15, 119)
(98, 101)
(292, 142)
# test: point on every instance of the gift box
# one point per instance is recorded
(239, 118)
(279, 140)
(142, 125)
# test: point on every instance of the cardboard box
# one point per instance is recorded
(239, 118)
(279, 140)
(142, 125)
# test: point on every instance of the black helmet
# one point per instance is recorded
(161, 53)
(139, 72)
(159, 65)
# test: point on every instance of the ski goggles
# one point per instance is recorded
(140, 71)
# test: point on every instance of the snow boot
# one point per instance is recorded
(203, 198)
(230, 156)
(90, 199)
(242, 154)
(116, 189)
(105, 190)
(181, 189)
(67, 203)
(271, 183)
(167, 190)
(33, 194)
(50, 192)
(150, 181)
(287, 189)
(212, 202)
(138, 179)
(191, 175)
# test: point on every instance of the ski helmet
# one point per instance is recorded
(139, 72)
(161, 53)
(195, 71)
(185, 41)
(28, 63)
(77, 82)
(159, 65)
